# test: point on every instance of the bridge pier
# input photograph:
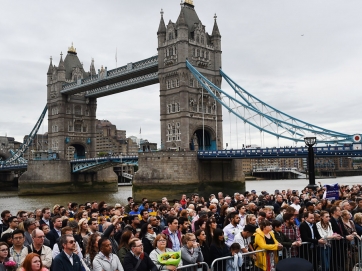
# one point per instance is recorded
(172, 174)
(55, 177)
(7, 180)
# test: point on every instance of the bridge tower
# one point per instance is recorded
(71, 118)
(190, 118)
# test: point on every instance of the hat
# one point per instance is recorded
(117, 205)
(214, 201)
(250, 228)
(253, 191)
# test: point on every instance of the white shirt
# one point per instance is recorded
(243, 242)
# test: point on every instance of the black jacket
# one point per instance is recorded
(62, 263)
(306, 234)
(337, 227)
(52, 237)
(146, 264)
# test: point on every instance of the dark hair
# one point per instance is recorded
(306, 214)
(235, 246)
(144, 230)
(101, 241)
(215, 239)
(276, 223)
(4, 213)
(17, 231)
(232, 215)
(63, 239)
(91, 250)
(91, 220)
(132, 242)
(126, 236)
(74, 204)
(143, 212)
(12, 218)
(44, 210)
(55, 218)
(287, 216)
(170, 219)
(333, 209)
(264, 223)
(182, 220)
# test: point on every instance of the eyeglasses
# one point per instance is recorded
(141, 245)
(71, 242)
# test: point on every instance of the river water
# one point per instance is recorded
(14, 203)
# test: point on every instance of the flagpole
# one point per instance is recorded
(116, 58)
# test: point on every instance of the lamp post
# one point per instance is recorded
(310, 141)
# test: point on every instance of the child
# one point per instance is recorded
(235, 263)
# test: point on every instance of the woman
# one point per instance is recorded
(123, 247)
(4, 252)
(264, 239)
(92, 250)
(218, 248)
(211, 226)
(324, 228)
(250, 219)
(282, 238)
(201, 238)
(82, 232)
(358, 223)
(32, 262)
(160, 247)
(7, 238)
(191, 251)
(147, 235)
(348, 223)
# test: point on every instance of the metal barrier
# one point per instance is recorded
(220, 264)
(202, 266)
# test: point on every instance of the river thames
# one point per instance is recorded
(14, 203)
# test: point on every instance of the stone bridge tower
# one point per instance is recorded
(71, 119)
(190, 118)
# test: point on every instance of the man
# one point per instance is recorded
(295, 203)
(5, 215)
(269, 213)
(291, 231)
(13, 225)
(244, 239)
(162, 213)
(127, 208)
(241, 208)
(183, 226)
(144, 217)
(109, 230)
(164, 201)
(228, 201)
(136, 259)
(236, 200)
(92, 228)
(67, 260)
(56, 249)
(134, 209)
(46, 218)
(73, 209)
(253, 209)
(38, 247)
(94, 205)
(232, 229)
(173, 235)
(358, 208)
(134, 224)
(29, 226)
(105, 260)
(54, 234)
(183, 201)
(309, 233)
(18, 246)
(278, 204)
(155, 223)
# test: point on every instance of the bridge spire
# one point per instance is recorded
(189, 3)
(92, 69)
(61, 66)
(162, 26)
(50, 70)
(215, 30)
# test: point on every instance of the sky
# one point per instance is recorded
(302, 57)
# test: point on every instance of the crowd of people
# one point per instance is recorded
(103, 237)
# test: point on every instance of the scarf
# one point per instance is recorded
(151, 237)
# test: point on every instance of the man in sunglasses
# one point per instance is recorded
(67, 260)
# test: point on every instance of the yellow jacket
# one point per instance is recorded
(260, 244)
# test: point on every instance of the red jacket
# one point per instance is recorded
(169, 239)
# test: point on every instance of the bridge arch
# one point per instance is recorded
(4, 156)
(76, 150)
(199, 135)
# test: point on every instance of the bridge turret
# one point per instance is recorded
(216, 41)
(161, 33)
(61, 69)
(50, 71)
(92, 69)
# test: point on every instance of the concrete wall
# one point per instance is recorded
(171, 174)
(54, 177)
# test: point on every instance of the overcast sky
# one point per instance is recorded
(302, 57)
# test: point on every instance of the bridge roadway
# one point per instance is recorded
(130, 76)
(94, 164)
(330, 151)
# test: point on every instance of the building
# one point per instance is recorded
(186, 109)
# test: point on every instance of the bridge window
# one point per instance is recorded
(54, 128)
(168, 84)
(68, 110)
(168, 109)
(194, 52)
(87, 112)
(198, 39)
(170, 50)
(173, 82)
(177, 83)
(173, 108)
(170, 36)
(202, 39)
(78, 128)
(84, 129)
(198, 53)
(78, 110)
(191, 82)
(70, 127)
(207, 55)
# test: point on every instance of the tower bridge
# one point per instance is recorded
(188, 72)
